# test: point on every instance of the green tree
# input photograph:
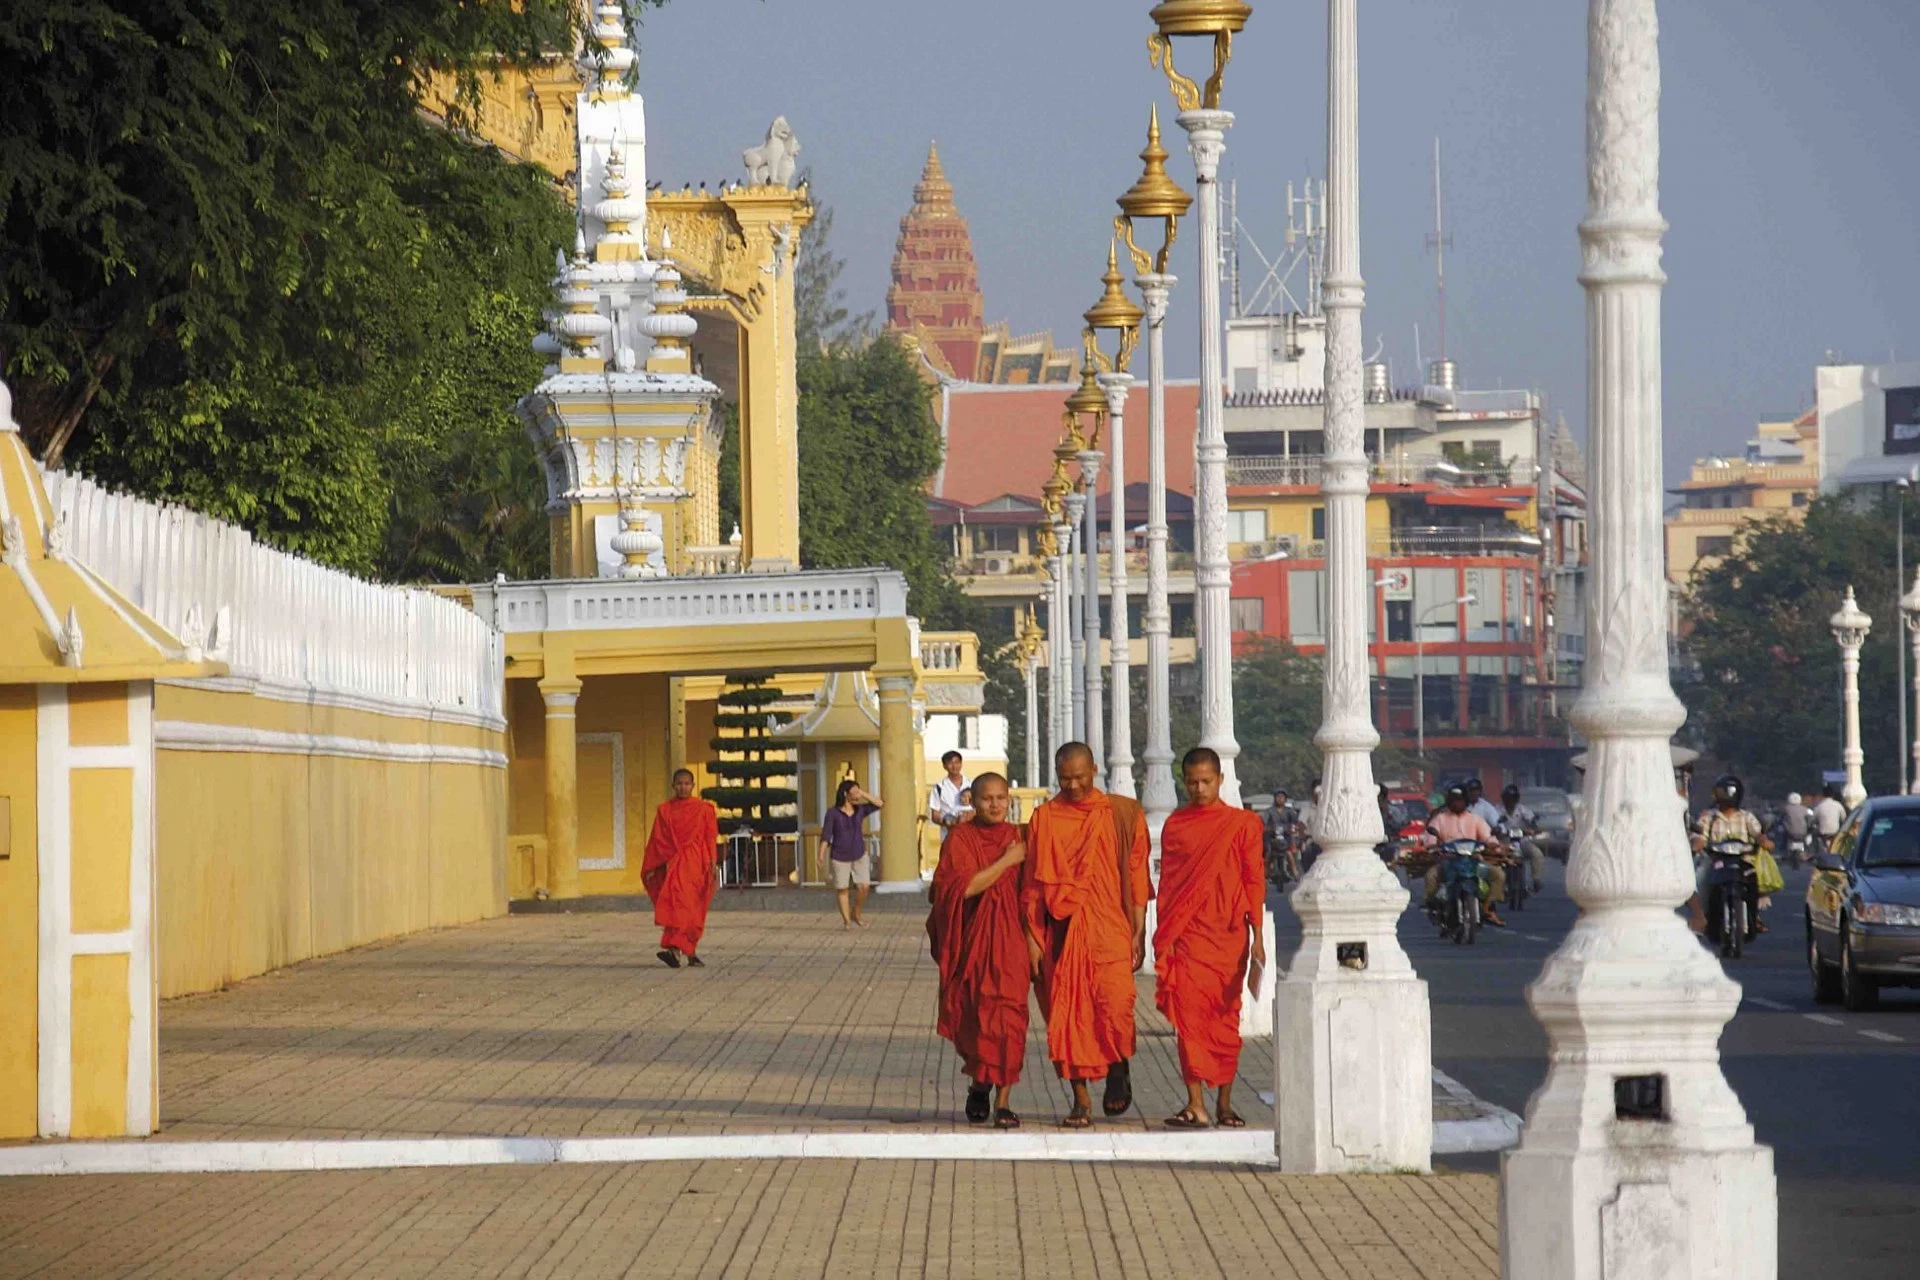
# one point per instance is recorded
(1276, 712)
(1766, 700)
(750, 759)
(821, 318)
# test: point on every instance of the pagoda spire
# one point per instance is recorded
(933, 194)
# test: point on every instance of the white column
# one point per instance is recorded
(1910, 609)
(1120, 734)
(1353, 1052)
(1636, 1159)
(1157, 797)
(1076, 504)
(1850, 628)
(1094, 674)
(1213, 614)
(1060, 638)
(1030, 667)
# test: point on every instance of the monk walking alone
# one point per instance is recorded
(1213, 888)
(981, 948)
(678, 871)
(1086, 898)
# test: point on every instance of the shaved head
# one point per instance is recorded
(1072, 751)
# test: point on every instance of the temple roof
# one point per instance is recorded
(933, 194)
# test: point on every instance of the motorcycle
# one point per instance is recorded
(1517, 890)
(1455, 909)
(1795, 851)
(1730, 871)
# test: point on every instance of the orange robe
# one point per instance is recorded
(982, 953)
(678, 871)
(1073, 902)
(1213, 884)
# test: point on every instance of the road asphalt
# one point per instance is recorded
(1836, 1094)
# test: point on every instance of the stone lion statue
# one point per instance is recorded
(772, 162)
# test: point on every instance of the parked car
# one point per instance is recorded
(1863, 905)
(1556, 819)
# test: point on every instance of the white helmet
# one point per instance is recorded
(1793, 797)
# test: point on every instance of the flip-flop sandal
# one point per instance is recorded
(1078, 1118)
(1228, 1120)
(1117, 1097)
(669, 957)
(1005, 1119)
(695, 962)
(1186, 1119)
(979, 1105)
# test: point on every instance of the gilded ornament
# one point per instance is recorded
(1114, 312)
(1153, 195)
(1221, 19)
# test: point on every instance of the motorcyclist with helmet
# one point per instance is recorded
(1727, 820)
(1793, 836)
(1457, 822)
(1523, 823)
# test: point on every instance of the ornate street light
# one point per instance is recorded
(1850, 627)
(1116, 314)
(1054, 535)
(1206, 125)
(1156, 197)
(1910, 609)
(1027, 646)
(1073, 502)
(1088, 408)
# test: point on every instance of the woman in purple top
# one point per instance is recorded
(843, 835)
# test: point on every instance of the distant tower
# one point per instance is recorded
(935, 294)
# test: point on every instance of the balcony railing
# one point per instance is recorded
(950, 651)
(613, 604)
(1304, 471)
(1435, 541)
(709, 562)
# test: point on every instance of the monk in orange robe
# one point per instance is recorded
(1086, 900)
(1213, 891)
(678, 871)
(981, 947)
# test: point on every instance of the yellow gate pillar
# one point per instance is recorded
(563, 788)
(899, 787)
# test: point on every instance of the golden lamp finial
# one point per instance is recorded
(1154, 195)
(1087, 404)
(1116, 313)
(1221, 19)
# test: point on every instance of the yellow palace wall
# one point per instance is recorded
(19, 915)
(272, 851)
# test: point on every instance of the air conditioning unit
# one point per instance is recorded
(997, 566)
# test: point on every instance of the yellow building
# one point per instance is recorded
(1778, 475)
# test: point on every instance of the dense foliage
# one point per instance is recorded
(757, 775)
(1765, 692)
(241, 269)
(1276, 711)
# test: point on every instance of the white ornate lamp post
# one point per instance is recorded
(1636, 1159)
(1053, 535)
(1353, 1053)
(1850, 628)
(1206, 124)
(1074, 501)
(1089, 407)
(1028, 648)
(1910, 609)
(1115, 313)
(1156, 196)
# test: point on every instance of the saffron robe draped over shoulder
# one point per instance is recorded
(1073, 901)
(678, 871)
(1213, 886)
(981, 949)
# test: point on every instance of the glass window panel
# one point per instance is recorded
(1306, 605)
(1249, 614)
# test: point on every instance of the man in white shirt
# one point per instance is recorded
(1479, 806)
(945, 806)
(1828, 815)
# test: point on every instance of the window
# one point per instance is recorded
(1319, 517)
(1245, 381)
(1249, 614)
(1399, 622)
(1306, 606)
(1246, 526)
(1799, 499)
(995, 538)
(1713, 546)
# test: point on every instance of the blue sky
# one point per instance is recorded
(1789, 176)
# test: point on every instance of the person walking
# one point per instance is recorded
(947, 806)
(678, 871)
(843, 834)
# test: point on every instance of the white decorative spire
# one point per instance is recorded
(615, 58)
(582, 327)
(619, 211)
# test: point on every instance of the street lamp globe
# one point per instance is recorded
(1154, 196)
(1851, 625)
(1218, 20)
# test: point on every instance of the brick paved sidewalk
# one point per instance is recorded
(841, 1220)
(566, 1025)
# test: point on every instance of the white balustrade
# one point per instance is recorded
(276, 617)
(602, 604)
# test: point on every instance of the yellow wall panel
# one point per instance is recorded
(19, 916)
(636, 707)
(102, 1020)
(97, 715)
(102, 824)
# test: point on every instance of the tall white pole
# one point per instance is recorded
(1093, 673)
(1910, 609)
(1213, 611)
(1353, 1051)
(1060, 641)
(1157, 798)
(1030, 667)
(1850, 628)
(1636, 1158)
(1075, 503)
(1120, 738)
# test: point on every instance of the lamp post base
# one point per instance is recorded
(1353, 1076)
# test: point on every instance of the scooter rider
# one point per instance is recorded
(1726, 820)
(1457, 822)
(1796, 824)
(1827, 817)
(1523, 822)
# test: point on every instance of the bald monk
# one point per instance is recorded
(981, 947)
(1086, 911)
(678, 871)
(1213, 890)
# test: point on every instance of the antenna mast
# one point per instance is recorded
(1233, 245)
(1439, 241)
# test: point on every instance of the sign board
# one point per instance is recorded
(1398, 583)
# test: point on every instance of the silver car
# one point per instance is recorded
(1556, 819)
(1863, 905)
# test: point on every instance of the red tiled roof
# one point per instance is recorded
(1000, 440)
